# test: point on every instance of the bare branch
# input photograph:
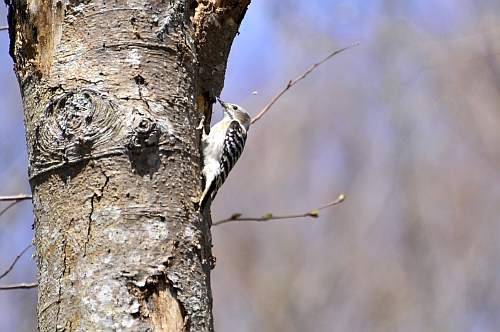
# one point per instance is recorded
(20, 286)
(19, 197)
(4, 28)
(14, 262)
(313, 214)
(291, 83)
(8, 207)
(16, 199)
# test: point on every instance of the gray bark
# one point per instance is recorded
(113, 91)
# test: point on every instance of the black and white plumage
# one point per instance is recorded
(222, 148)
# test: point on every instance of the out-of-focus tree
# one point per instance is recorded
(407, 126)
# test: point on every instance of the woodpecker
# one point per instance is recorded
(222, 148)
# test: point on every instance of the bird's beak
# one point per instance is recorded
(222, 103)
(225, 106)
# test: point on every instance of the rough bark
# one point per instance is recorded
(113, 91)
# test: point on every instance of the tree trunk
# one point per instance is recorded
(113, 91)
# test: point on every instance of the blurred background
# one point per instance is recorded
(407, 125)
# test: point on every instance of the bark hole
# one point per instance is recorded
(157, 301)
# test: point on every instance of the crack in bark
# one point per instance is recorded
(60, 282)
(105, 181)
(47, 307)
(96, 195)
(88, 225)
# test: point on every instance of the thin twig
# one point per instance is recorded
(19, 286)
(313, 213)
(15, 199)
(19, 197)
(291, 83)
(8, 207)
(4, 28)
(14, 262)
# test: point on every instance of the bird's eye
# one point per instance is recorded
(235, 108)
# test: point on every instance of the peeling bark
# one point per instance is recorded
(113, 92)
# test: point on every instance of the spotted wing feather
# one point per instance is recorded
(233, 146)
